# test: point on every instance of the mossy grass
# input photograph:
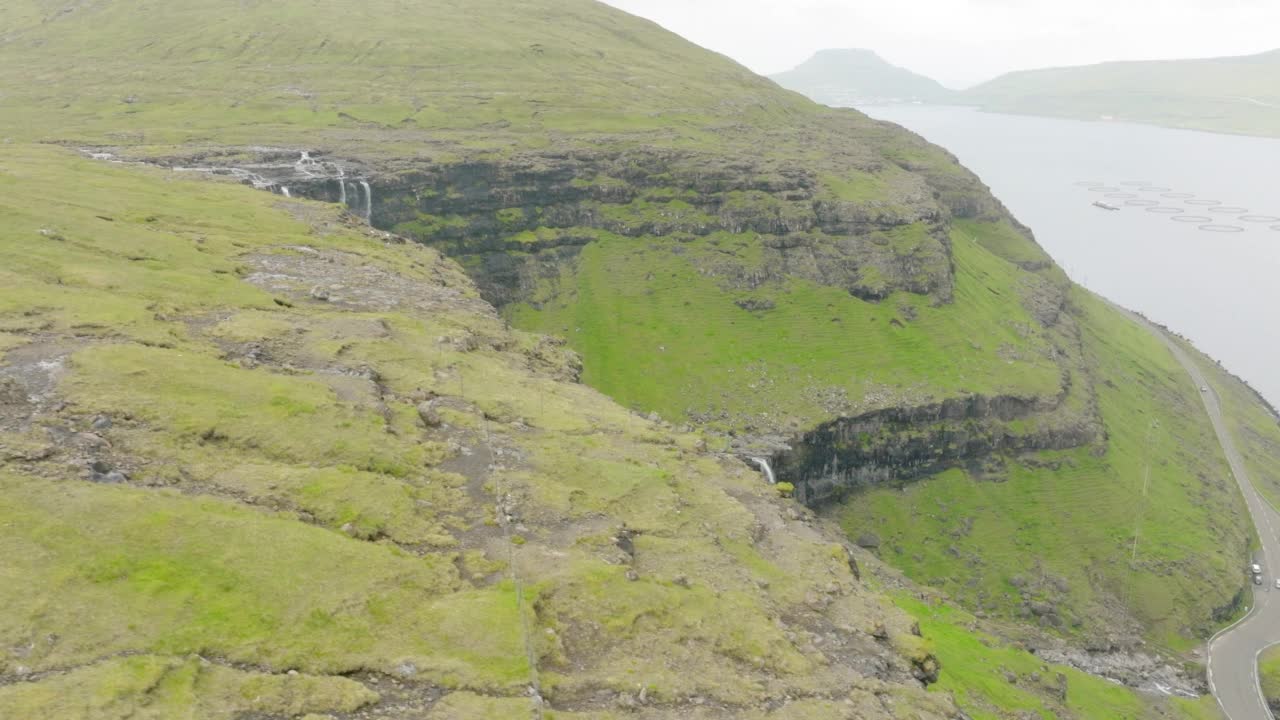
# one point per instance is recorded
(992, 678)
(1269, 673)
(637, 310)
(286, 511)
(164, 688)
(1085, 530)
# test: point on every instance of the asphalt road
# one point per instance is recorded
(1233, 653)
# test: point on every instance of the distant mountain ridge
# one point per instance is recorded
(858, 76)
(1226, 94)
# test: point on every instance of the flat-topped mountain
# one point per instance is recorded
(844, 78)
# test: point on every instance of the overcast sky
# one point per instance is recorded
(962, 42)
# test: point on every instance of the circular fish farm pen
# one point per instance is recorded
(1229, 210)
(1192, 219)
(1167, 210)
(1260, 218)
(1104, 189)
(1142, 203)
(1222, 228)
(1204, 202)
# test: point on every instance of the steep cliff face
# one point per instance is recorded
(898, 445)
(505, 221)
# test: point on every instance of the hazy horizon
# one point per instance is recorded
(965, 42)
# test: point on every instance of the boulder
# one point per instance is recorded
(427, 413)
(868, 541)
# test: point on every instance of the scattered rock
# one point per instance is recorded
(755, 304)
(853, 564)
(869, 541)
(429, 416)
(927, 670)
(11, 393)
(101, 423)
(625, 542)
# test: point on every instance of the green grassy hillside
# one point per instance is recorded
(843, 78)
(305, 520)
(799, 351)
(1231, 95)
(1269, 664)
(1252, 422)
(380, 499)
(443, 502)
(1073, 538)
(499, 75)
(993, 678)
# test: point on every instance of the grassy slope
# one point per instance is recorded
(486, 71)
(1253, 424)
(288, 514)
(386, 572)
(428, 87)
(1235, 95)
(430, 82)
(637, 310)
(992, 678)
(1061, 528)
(1269, 664)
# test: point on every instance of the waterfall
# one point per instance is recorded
(368, 201)
(305, 163)
(342, 186)
(285, 191)
(765, 468)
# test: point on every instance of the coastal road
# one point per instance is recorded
(1233, 653)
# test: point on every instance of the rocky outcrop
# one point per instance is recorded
(904, 444)
(514, 223)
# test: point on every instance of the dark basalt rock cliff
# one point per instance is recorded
(898, 445)
(514, 221)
